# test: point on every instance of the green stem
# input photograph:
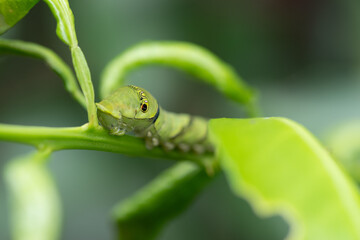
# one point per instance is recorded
(89, 138)
(42, 154)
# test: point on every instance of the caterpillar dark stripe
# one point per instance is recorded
(133, 109)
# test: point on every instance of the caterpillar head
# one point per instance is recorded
(129, 108)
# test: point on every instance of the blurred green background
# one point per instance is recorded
(302, 56)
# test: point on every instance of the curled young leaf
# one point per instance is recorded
(66, 32)
(65, 28)
(187, 57)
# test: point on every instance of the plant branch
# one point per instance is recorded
(89, 138)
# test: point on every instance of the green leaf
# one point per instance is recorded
(48, 56)
(280, 168)
(35, 207)
(187, 57)
(142, 216)
(66, 32)
(344, 144)
(12, 11)
(65, 21)
(84, 77)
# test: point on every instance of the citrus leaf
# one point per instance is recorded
(280, 168)
(65, 28)
(12, 11)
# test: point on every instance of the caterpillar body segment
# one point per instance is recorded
(133, 109)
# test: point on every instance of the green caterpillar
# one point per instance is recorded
(133, 109)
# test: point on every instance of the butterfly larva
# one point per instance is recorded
(133, 109)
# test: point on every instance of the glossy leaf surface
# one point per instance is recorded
(11, 11)
(280, 168)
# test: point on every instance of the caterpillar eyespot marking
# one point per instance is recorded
(119, 113)
(144, 107)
